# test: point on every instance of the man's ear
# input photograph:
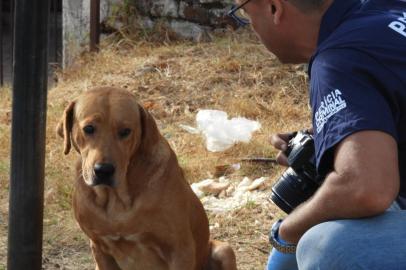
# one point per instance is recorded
(276, 9)
(64, 128)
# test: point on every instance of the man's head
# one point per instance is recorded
(288, 28)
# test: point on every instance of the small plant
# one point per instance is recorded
(250, 204)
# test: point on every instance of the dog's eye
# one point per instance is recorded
(89, 129)
(123, 133)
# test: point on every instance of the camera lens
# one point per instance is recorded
(292, 189)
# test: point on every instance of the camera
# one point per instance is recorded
(300, 180)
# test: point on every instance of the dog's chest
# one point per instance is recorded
(136, 251)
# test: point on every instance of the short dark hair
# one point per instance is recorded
(308, 5)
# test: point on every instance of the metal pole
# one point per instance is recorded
(55, 17)
(94, 25)
(1, 43)
(12, 9)
(28, 135)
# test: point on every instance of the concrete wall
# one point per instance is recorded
(191, 19)
(76, 25)
(188, 18)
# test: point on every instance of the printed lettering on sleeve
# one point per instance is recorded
(399, 25)
(331, 104)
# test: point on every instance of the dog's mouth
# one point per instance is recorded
(98, 181)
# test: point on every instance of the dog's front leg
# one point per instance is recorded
(222, 257)
(183, 259)
(182, 265)
(103, 261)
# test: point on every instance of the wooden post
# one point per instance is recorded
(94, 25)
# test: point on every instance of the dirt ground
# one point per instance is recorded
(173, 80)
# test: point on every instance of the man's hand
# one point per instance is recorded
(283, 255)
(280, 141)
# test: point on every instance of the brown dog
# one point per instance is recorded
(131, 198)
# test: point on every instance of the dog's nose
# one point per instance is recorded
(104, 171)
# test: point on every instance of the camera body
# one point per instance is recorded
(299, 182)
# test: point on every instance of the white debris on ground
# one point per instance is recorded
(220, 132)
(221, 195)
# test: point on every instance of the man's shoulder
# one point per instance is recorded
(373, 27)
(372, 41)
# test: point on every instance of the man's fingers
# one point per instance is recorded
(280, 140)
(282, 159)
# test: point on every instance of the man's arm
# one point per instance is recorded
(364, 182)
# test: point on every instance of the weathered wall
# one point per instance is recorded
(191, 19)
(76, 25)
(188, 18)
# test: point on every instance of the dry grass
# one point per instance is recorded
(174, 80)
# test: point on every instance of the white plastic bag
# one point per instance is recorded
(220, 132)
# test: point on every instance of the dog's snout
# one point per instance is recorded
(103, 170)
(104, 174)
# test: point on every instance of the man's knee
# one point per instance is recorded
(326, 246)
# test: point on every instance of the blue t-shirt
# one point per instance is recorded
(358, 76)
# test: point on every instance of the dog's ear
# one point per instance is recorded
(149, 130)
(64, 127)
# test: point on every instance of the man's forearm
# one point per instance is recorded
(340, 197)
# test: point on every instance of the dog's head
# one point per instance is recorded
(107, 127)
